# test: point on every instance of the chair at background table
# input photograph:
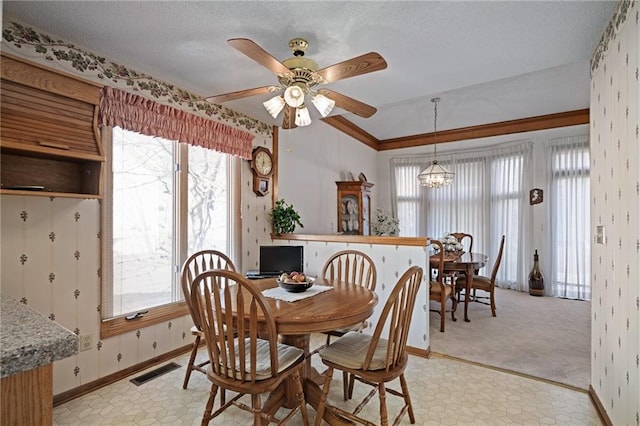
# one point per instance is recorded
(441, 287)
(467, 243)
(487, 284)
(354, 267)
(251, 362)
(196, 263)
(375, 360)
(465, 239)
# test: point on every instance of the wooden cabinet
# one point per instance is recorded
(49, 137)
(354, 207)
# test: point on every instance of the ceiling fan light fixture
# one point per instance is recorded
(274, 105)
(323, 104)
(302, 116)
(294, 96)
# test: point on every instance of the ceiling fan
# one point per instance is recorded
(298, 77)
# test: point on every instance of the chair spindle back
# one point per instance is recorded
(351, 266)
(234, 358)
(396, 319)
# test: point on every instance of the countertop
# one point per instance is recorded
(29, 340)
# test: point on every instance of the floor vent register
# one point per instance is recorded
(144, 378)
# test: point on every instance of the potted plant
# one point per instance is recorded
(284, 218)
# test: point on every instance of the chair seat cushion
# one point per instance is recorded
(351, 349)
(436, 289)
(483, 283)
(287, 356)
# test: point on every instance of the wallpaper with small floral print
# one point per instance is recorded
(50, 257)
(50, 51)
(50, 260)
(615, 189)
(391, 261)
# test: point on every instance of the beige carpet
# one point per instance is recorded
(544, 337)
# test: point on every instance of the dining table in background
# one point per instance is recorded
(344, 305)
(467, 263)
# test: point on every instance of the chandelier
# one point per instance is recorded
(299, 83)
(436, 175)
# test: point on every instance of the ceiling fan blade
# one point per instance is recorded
(232, 96)
(349, 104)
(369, 62)
(258, 54)
(289, 118)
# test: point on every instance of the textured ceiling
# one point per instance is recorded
(488, 61)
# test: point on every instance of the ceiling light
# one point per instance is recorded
(323, 104)
(274, 105)
(436, 175)
(294, 96)
(302, 116)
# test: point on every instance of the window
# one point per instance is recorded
(485, 200)
(459, 207)
(408, 207)
(570, 220)
(159, 215)
(507, 212)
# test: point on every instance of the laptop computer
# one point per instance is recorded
(274, 260)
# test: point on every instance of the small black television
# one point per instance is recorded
(274, 260)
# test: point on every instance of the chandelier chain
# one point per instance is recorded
(435, 127)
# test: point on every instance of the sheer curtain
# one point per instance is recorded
(407, 203)
(486, 199)
(569, 208)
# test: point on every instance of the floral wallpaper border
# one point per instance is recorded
(618, 19)
(97, 68)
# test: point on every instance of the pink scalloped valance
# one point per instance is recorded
(138, 114)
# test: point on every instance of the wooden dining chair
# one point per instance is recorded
(467, 243)
(354, 267)
(251, 361)
(465, 239)
(374, 359)
(196, 263)
(488, 284)
(441, 286)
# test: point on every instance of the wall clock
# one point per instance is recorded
(262, 168)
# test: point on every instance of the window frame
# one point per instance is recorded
(118, 324)
(480, 162)
(561, 173)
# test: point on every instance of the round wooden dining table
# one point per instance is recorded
(467, 263)
(344, 305)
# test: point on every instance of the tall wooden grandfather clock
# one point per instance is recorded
(354, 207)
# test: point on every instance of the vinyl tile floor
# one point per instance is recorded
(444, 391)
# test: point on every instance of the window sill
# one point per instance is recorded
(120, 325)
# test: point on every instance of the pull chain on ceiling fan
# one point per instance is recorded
(298, 77)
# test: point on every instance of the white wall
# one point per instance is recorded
(311, 160)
